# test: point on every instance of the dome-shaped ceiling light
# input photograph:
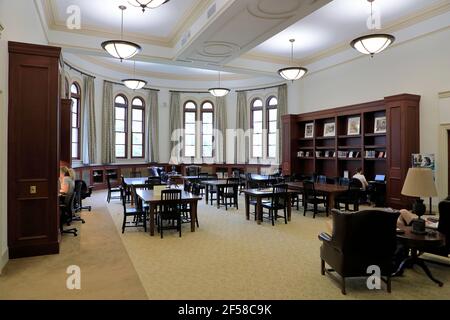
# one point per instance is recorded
(219, 91)
(144, 4)
(133, 83)
(373, 43)
(292, 73)
(119, 48)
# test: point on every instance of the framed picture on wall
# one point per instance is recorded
(309, 130)
(380, 125)
(329, 129)
(353, 126)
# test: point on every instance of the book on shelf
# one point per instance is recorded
(342, 154)
(318, 154)
(381, 155)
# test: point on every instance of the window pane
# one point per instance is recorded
(207, 140)
(137, 115)
(190, 128)
(190, 140)
(137, 151)
(257, 139)
(257, 151)
(190, 117)
(190, 105)
(207, 106)
(74, 89)
(74, 135)
(207, 117)
(74, 150)
(137, 138)
(273, 101)
(74, 105)
(257, 103)
(272, 126)
(207, 151)
(137, 126)
(207, 128)
(120, 113)
(120, 99)
(120, 151)
(74, 120)
(189, 151)
(272, 139)
(257, 116)
(272, 114)
(137, 102)
(120, 125)
(120, 138)
(272, 151)
(257, 127)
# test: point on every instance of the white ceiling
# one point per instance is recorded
(105, 16)
(337, 22)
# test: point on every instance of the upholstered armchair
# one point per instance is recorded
(359, 240)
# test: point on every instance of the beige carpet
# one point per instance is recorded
(106, 269)
(232, 258)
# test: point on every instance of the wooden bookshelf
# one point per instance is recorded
(369, 148)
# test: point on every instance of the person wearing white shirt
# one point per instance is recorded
(360, 176)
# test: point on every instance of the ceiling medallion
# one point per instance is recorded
(147, 4)
(373, 43)
(121, 49)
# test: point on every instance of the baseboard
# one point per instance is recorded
(3, 260)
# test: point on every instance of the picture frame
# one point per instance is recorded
(329, 129)
(309, 130)
(353, 126)
(380, 125)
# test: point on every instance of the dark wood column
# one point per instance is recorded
(66, 132)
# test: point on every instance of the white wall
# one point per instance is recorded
(421, 66)
(21, 23)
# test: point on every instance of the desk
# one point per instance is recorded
(219, 185)
(137, 183)
(416, 243)
(329, 190)
(260, 194)
(153, 201)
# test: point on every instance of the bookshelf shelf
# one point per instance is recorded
(375, 134)
(325, 138)
(375, 147)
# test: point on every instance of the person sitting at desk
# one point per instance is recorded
(66, 181)
(360, 176)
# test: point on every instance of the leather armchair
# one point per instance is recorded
(155, 171)
(359, 240)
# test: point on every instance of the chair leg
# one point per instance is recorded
(315, 210)
(179, 225)
(322, 267)
(344, 292)
(285, 215)
(144, 221)
(271, 213)
(305, 208)
(389, 283)
(123, 223)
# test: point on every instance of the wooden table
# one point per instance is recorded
(154, 201)
(219, 185)
(329, 190)
(419, 243)
(137, 183)
(260, 194)
(263, 180)
(198, 179)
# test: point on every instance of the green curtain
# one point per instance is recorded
(108, 138)
(220, 125)
(174, 126)
(241, 154)
(152, 125)
(89, 128)
(282, 110)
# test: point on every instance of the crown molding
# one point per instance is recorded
(184, 23)
(403, 23)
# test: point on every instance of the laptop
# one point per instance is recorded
(380, 178)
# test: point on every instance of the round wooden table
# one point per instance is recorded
(419, 243)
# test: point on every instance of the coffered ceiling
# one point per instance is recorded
(192, 39)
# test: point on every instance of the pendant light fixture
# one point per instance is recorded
(292, 73)
(147, 4)
(119, 48)
(373, 43)
(219, 91)
(133, 83)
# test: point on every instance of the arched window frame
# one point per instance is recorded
(140, 109)
(190, 147)
(125, 120)
(204, 135)
(257, 133)
(271, 130)
(76, 121)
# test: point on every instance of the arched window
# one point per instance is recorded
(207, 117)
(121, 126)
(190, 137)
(257, 127)
(75, 95)
(137, 128)
(272, 105)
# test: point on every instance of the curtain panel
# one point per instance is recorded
(174, 127)
(153, 127)
(89, 129)
(108, 139)
(220, 125)
(282, 110)
(242, 150)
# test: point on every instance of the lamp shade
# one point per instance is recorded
(134, 84)
(292, 73)
(219, 92)
(373, 43)
(419, 183)
(121, 49)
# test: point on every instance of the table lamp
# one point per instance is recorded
(419, 183)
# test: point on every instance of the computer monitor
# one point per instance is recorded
(380, 177)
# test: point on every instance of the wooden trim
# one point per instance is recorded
(33, 49)
(125, 106)
(143, 126)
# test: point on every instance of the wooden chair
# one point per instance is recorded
(228, 196)
(310, 196)
(138, 214)
(278, 201)
(67, 210)
(350, 197)
(112, 190)
(170, 211)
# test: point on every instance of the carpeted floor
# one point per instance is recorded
(228, 257)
